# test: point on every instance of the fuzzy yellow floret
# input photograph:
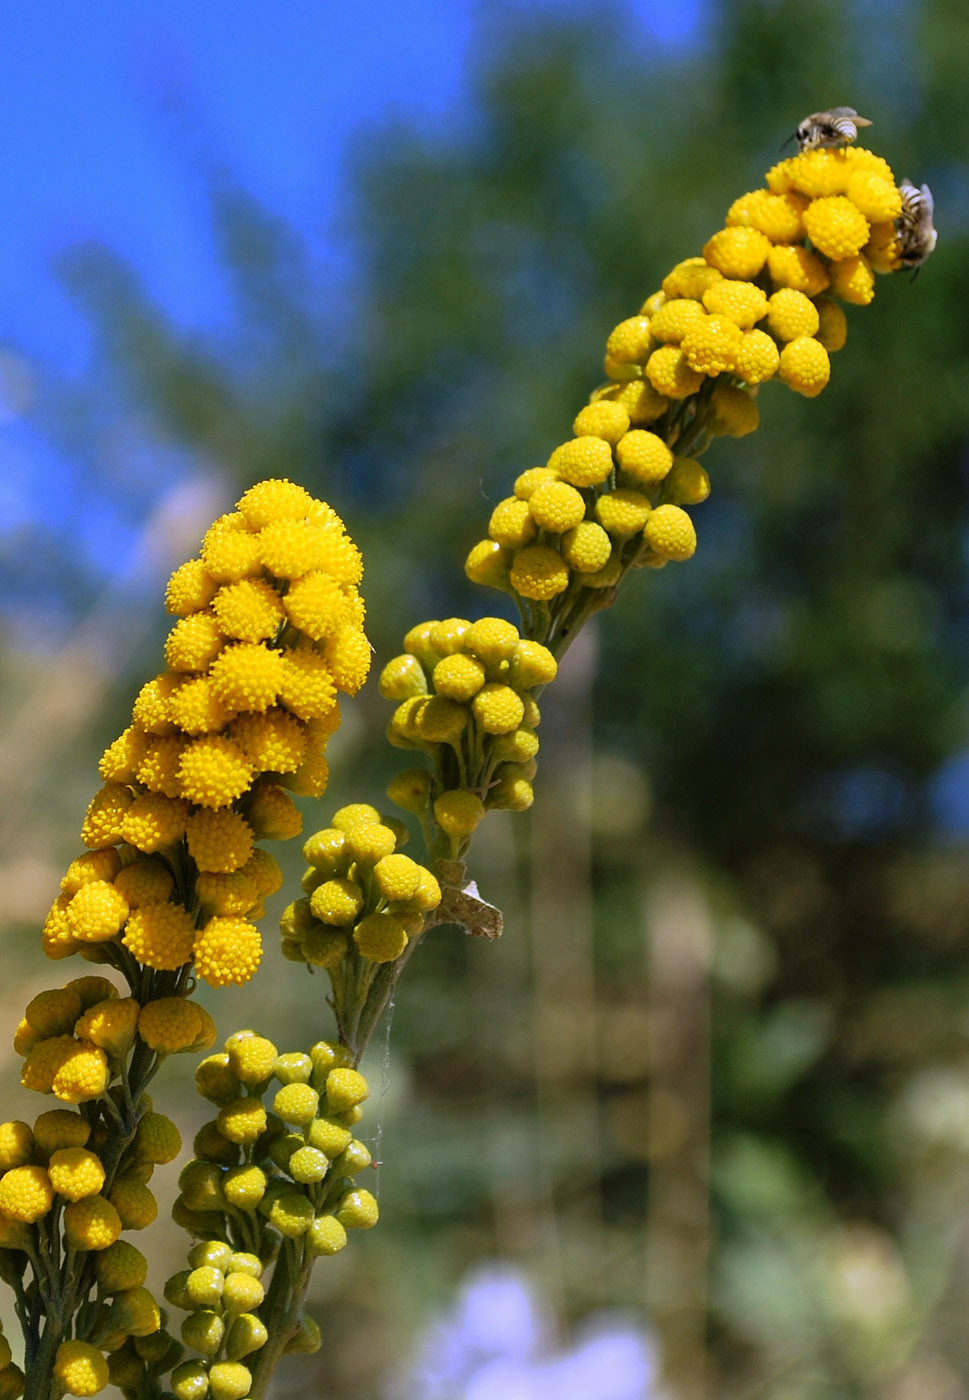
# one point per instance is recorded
(758, 357)
(247, 676)
(277, 498)
(527, 482)
(853, 281)
(250, 610)
(91, 1223)
(134, 1201)
(337, 902)
(150, 710)
(105, 815)
(161, 936)
(82, 1074)
(404, 676)
(17, 1139)
(43, 1059)
(59, 1128)
(792, 314)
(227, 950)
(214, 771)
(798, 268)
(194, 643)
(345, 1089)
(252, 1058)
(307, 687)
(492, 640)
(296, 1104)
(737, 252)
(80, 1369)
(190, 589)
(641, 401)
(711, 345)
(540, 572)
(231, 552)
(644, 456)
(380, 938)
(623, 513)
(556, 507)
(690, 278)
(94, 865)
(310, 778)
(874, 196)
(291, 548)
(368, 842)
(169, 1025)
(348, 655)
(317, 605)
(583, 461)
(776, 215)
(272, 814)
(586, 547)
(805, 366)
(110, 1024)
(26, 1194)
(511, 523)
(740, 302)
(532, 664)
(833, 324)
(446, 637)
(629, 342)
(219, 841)
(459, 676)
(734, 411)
(120, 760)
(512, 792)
(603, 419)
(457, 813)
(497, 708)
(836, 227)
(688, 483)
(56, 937)
(264, 872)
(144, 882)
(820, 173)
(158, 770)
(669, 532)
(672, 321)
(92, 989)
(74, 1173)
(157, 1139)
(97, 912)
(397, 877)
(154, 821)
(670, 374)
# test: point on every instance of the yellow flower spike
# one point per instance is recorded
(169, 1025)
(805, 366)
(75, 1173)
(758, 357)
(836, 227)
(190, 589)
(853, 281)
(193, 644)
(219, 841)
(604, 419)
(556, 507)
(583, 461)
(672, 321)
(228, 950)
(380, 938)
(121, 759)
(511, 523)
(688, 483)
(161, 936)
(26, 1193)
(119, 1267)
(738, 252)
(497, 708)
(144, 882)
(54, 1012)
(798, 268)
(94, 865)
(80, 1369)
(111, 1025)
(669, 531)
(689, 278)
(458, 813)
(17, 1139)
(59, 1128)
(272, 814)
(539, 572)
(792, 314)
(644, 456)
(586, 548)
(154, 822)
(82, 1074)
(669, 372)
(833, 324)
(105, 815)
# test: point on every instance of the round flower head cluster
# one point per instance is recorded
(269, 630)
(220, 1291)
(761, 302)
(464, 693)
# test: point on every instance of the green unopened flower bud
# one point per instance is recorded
(253, 1059)
(307, 1340)
(190, 1381)
(297, 920)
(244, 1263)
(291, 1214)
(211, 1146)
(242, 1293)
(126, 1369)
(201, 1185)
(156, 1347)
(345, 1088)
(308, 1165)
(323, 947)
(330, 1137)
(357, 1210)
(203, 1331)
(293, 1068)
(326, 1235)
(176, 1290)
(214, 1254)
(411, 790)
(215, 1079)
(247, 1333)
(12, 1382)
(244, 1187)
(354, 1157)
(297, 1103)
(204, 1286)
(284, 1147)
(229, 1380)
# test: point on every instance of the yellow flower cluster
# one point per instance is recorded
(269, 630)
(74, 1038)
(464, 693)
(363, 899)
(687, 367)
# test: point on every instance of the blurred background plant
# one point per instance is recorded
(717, 1071)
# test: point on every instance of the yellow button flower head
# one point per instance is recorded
(120, 760)
(277, 498)
(672, 321)
(540, 572)
(247, 676)
(737, 252)
(583, 461)
(190, 589)
(497, 708)
(493, 641)
(16, 1144)
(134, 1202)
(337, 902)
(250, 610)
(196, 709)
(792, 314)
(603, 419)
(643, 455)
(688, 483)
(57, 939)
(779, 216)
(357, 1210)
(157, 1139)
(712, 345)
(264, 871)
(805, 366)
(218, 841)
(326, 1235)
(144, 882)
(234, 893)
(586, 547)
(874, 196)
(511, 523)
(82, 1074)
(833, 327)
(153, 822)
(74, 1173)
(53, 1012)
(734, 411)
(836, 227)
(396, 876)
(26, 1194)
(227, 950)
(105, 815)
(110, 1024)
(296, 1104)
(193, 643)
(556, 507)
(161, 936)
(135, 1312)
(272, 814)
(348, 655)
(214, 771)
(670, 533)
(458, 813)
(159, 769)
(317, 605)
(670, 374)
(380, 937)
(368, 842)
(252, 1059)
(690, 278)
(80, 1369)
(629, 342)
(93, 865)
(460, 676)
(150, 710)
(853, 281)
(640, 400)
(758, 356)
(169, 1025)
(798, 268)
(229, 551)
(58, 1128)
(98, 911)
(740, 302)
(306, 687)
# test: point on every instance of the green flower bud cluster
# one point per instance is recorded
(138, 1357)
(221, 1292)
(364, 899)
(464, 693)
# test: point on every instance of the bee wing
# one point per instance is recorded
(860, 121)
(928, 203)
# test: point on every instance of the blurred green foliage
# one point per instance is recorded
(770, 722)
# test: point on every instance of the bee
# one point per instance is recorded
(837, 127)
(915, 232)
